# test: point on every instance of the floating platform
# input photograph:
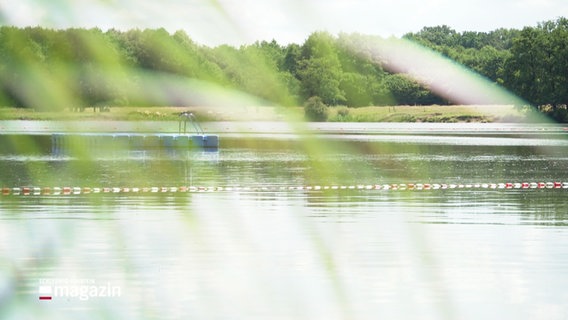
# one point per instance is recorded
(131, 141)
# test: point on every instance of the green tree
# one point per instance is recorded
(320, 70)
(355, 87)
(362, 75)
(25, 77)
(537, 69)
(292, 59)
(435, 36)
(406, 91)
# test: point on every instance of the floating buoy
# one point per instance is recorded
(46, 191)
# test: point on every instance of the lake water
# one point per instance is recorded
(254, 243)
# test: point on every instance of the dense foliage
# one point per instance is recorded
(315, 109)
(532, 62)
(54, 69)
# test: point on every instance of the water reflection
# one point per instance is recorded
(334, 254)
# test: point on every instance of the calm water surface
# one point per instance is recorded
(359, 254)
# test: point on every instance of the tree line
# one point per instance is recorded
(54, 69)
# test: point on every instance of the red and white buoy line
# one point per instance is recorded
(44, 191)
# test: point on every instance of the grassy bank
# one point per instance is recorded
(152, 114)
(457, 113)
(433, 113)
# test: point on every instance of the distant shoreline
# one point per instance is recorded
(411, 114)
